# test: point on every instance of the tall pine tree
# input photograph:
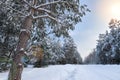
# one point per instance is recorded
(59, 15)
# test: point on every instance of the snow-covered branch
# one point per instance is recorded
(8, 6)
(27, 3)
(49, 3)
(46, 16)
(17, 11)
(48, 11)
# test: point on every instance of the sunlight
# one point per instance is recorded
(115, 10)
(108, 9)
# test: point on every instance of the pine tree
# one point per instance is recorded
(8, 37)
(59, 15)
(108, 44)
(71, 54)
(92, 58)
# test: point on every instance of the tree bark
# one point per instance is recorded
(17, 65)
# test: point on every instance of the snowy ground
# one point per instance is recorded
(70, 72)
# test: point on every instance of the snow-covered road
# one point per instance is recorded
(71, 72)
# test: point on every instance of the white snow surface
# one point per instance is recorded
(70, 72)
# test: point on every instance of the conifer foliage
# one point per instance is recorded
(108, 48)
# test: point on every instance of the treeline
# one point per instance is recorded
(57, 53)
(107, 50)
(43, 47)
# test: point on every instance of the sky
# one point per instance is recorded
(94, 23)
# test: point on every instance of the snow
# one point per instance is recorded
(22, 49)
(22, 30)
(70, 72)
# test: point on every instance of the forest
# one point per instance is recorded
(37, 33)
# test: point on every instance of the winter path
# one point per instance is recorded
(70, 72)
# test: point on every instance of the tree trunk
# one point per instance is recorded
(17, 65)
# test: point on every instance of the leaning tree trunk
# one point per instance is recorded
(17, 66)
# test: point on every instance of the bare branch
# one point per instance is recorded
(54, 2)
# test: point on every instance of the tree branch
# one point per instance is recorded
(48, 11)
(46, 16)
(8, 6)
(54, 2)
(16, 10)
(27, 3)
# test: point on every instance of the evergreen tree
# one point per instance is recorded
(72, 56)
(56, 53)
(108, 47)
(9, 32)
(92, 58)
(59, 15)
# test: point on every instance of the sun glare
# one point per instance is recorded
(115, 9)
